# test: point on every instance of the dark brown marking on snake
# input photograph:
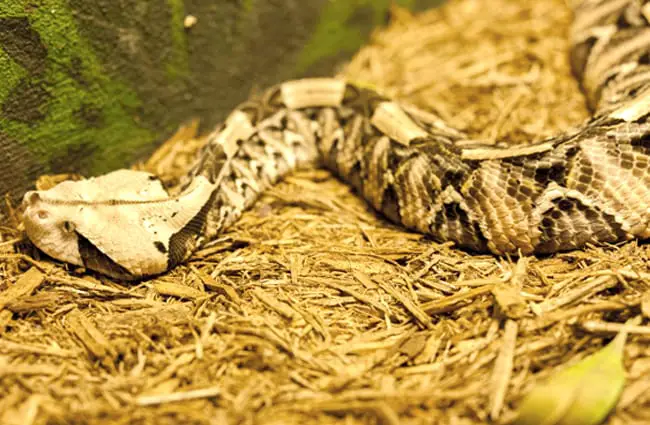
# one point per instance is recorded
(184, 241)
(570, 217)
(453, 222)
(94, 259)
(160, 247)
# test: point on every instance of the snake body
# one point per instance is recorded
(590, 185)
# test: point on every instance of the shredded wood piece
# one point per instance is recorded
(176, 290)
(613, 328)
(178, 396)
(502, 371)
(25, 285)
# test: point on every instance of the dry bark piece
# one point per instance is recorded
(24, 286)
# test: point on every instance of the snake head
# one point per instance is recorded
(123, 224)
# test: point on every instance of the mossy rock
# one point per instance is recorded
(92, 86)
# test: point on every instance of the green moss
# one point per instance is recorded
(86, 112)
(334, 35)
(10, 74)
(178, 65)
(344, 27)
(11, 8)
(248, 5)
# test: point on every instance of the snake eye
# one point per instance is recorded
(68, 226)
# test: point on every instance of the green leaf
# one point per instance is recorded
(582, 394)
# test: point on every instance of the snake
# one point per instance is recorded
(589, 185)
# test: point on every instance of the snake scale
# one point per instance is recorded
(590, 185)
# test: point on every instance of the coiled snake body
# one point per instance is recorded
(589, 185)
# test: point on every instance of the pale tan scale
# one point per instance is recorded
(432, 121)
(414, 201)
(274, 144)
(390, 119)
(449, 196)
(633, 109)
(486, 153)
(313, 92)
(238, 127)
(645, 11)
(247, 176)
(330, 132)
(505, 220)
(350, 146)
(604, 65)
(303, 126)
(593, 13)
(378, 177)
(234, 197)
(621, 194)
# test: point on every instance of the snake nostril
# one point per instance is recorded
(68, 226)
(32, 197)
